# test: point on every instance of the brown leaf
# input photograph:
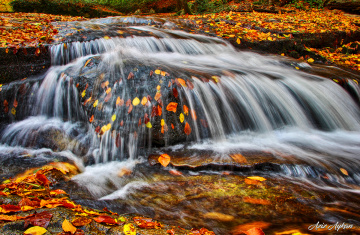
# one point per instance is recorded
(130, 108)
(81, 221)
(238, 158)
(130, 76)
(157, 96)
(27, 202)
(124, 171)
(128, 102)
(175, 92)
(189, 84)
(41, 219)
(42, 179)
(219, 216)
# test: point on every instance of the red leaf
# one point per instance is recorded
(175, 92)
(27, 202)
(97, 129)
(9, 208)
(118, 140)
(146, 118)
(105, 219)
(15, 103)
(42, 179)
(41, 219)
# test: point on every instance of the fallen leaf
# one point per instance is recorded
(256, 201)
(148, 125)
(175, 92)
(180, 81)
(219, 216)
(124, 171)
(9, 208)
(36, 230)
(185, 109)
(175, 172)
(144, 101)
(10, 217)
(157, 71)
(105, 219)
(187, 129)
(158, 110)
(81, 221)
(130, 108)
(136, 101)
(181, 117)
(68, 227)
(258, 178)
(129, 229)
(41, 219)
(113, 117)
(255, 231)
(172, 106)
(157, 96)
(252, 182)
(164, 159)
(91, 119)
(131, 76)
(240, 229)
(238, 158)
(146, 223)
(344, 171)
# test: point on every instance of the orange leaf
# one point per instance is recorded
(175, 172)
(10, 217)
(91, 119)
(255, 231)
(144, 101)
(187, 129)
(68, 227)
(240, 229)
(157, 96)
(158, 110)
(186, 110)
(146, 223)
(181, 81)
(130, 108)
(57, 192)
(81, 221)
(164, 159)
(105, 219)
(9, 208)
(238, 158)
(15, 103)
(256, 201)
(119, 102)
(172, 126)
(172, 106)
(131, 76)
(108, 90)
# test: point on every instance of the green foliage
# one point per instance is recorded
(302, 4)
(202, 6)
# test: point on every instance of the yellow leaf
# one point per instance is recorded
(282, 54)
(148, 125)
(108, 90)
(163, 73)
(238, 41)
(144, 101)
(297, 67)
(136, 101)
(113, 118)
(182, 117)
(129, 229)
(83, 93)
(13, 111)
(106, 37)
(344, 171)
(36, 230)
(158, 87)
(68, 227)
(96, 103)
(311, 60)
(258, 178)
(216, 78)
(157, 71)
(162, 122)
(87, 62)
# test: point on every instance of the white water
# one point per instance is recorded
(258, 104)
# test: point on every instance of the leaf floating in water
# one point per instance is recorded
(106, 37)
(36, 230)
(68, 227)
(144, 101)
(164, 159)
(91, 119)
(181, 117)
(258, 178)
(129, 229)
(172, 126)
(96, 103)
(131, 76)
(344, 171)
(87, 101)
(136, 101)
(13, 111)
(187, 129)
(238, 158)
(175, 92)
(172, 106)
(148, 125)
(87, 62)
(105, 128)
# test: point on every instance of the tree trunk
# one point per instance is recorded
(183, 5)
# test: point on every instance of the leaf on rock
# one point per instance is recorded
(256, 201)
(9, 208)
(181, 117)
(255, 231)
(130, 108)
(175, 172)
(81, 221)
(172, 106)
(219, 216)
(136, 101)
(158, 110)
(240, 229)
(119, 102)
(144, 101)
(164, 159)
(95, 103)
(148, 125)
(41, 219)
(68, 227)
(91, 119)
(158, 71)
(131, 76)
(146, 223)
(129, 229)
(113, 117)
(157, 96)
(175, 92)
(186, 109)
(10, 217)
(187, 129)
(105, 219)
(36, 230)
(258, 178)
(180, 81)
(238, 158)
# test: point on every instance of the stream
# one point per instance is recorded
(136, 88)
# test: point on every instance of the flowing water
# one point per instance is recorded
(295, 128)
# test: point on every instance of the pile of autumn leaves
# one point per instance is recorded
(36, 194)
